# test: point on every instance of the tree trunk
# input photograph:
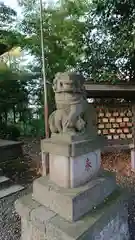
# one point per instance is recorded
(14, 114)
(5, 116)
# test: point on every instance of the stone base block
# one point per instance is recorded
(71, 172)
(71, 204)
(108, 221)
(62, 147)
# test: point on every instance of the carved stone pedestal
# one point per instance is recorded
(75, 170)
(108, 221)
(77, 201)
(73, 162)
(72, 204)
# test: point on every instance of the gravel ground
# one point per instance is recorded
(10, 226)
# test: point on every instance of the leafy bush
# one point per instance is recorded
(9, 132)
(35, 128)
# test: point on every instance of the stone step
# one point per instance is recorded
(4, 182)
(10, 190)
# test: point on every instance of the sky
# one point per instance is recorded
(13, 4)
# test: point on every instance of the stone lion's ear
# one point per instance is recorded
(58, 75)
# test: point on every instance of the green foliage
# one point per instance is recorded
(8, 33)
(9, 132)
(63, 35)
(7, 15)
(92, 37)
(64, 29)
(112, 45)
(13, 82)
(37, 127)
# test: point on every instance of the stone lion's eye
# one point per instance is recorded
(61, 84)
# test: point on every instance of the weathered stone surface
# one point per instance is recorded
(25, 205)
(85, 167)
(116, 229)
(60, 170)
(40, 216)
(34, 218)
(72, 113)
(89, 226)
(69, 137)
(26, 229)
(70, 172)
(73, 203)
(108, 218)
(73, 148)
(31, 232)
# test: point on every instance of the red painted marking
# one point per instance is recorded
(88, 165)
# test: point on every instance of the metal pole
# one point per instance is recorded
(45, 156)
(44, 72)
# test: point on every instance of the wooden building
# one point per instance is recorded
(115, 119)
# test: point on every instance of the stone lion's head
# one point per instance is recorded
(68, 82)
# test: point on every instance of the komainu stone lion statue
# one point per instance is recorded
(73, 114)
